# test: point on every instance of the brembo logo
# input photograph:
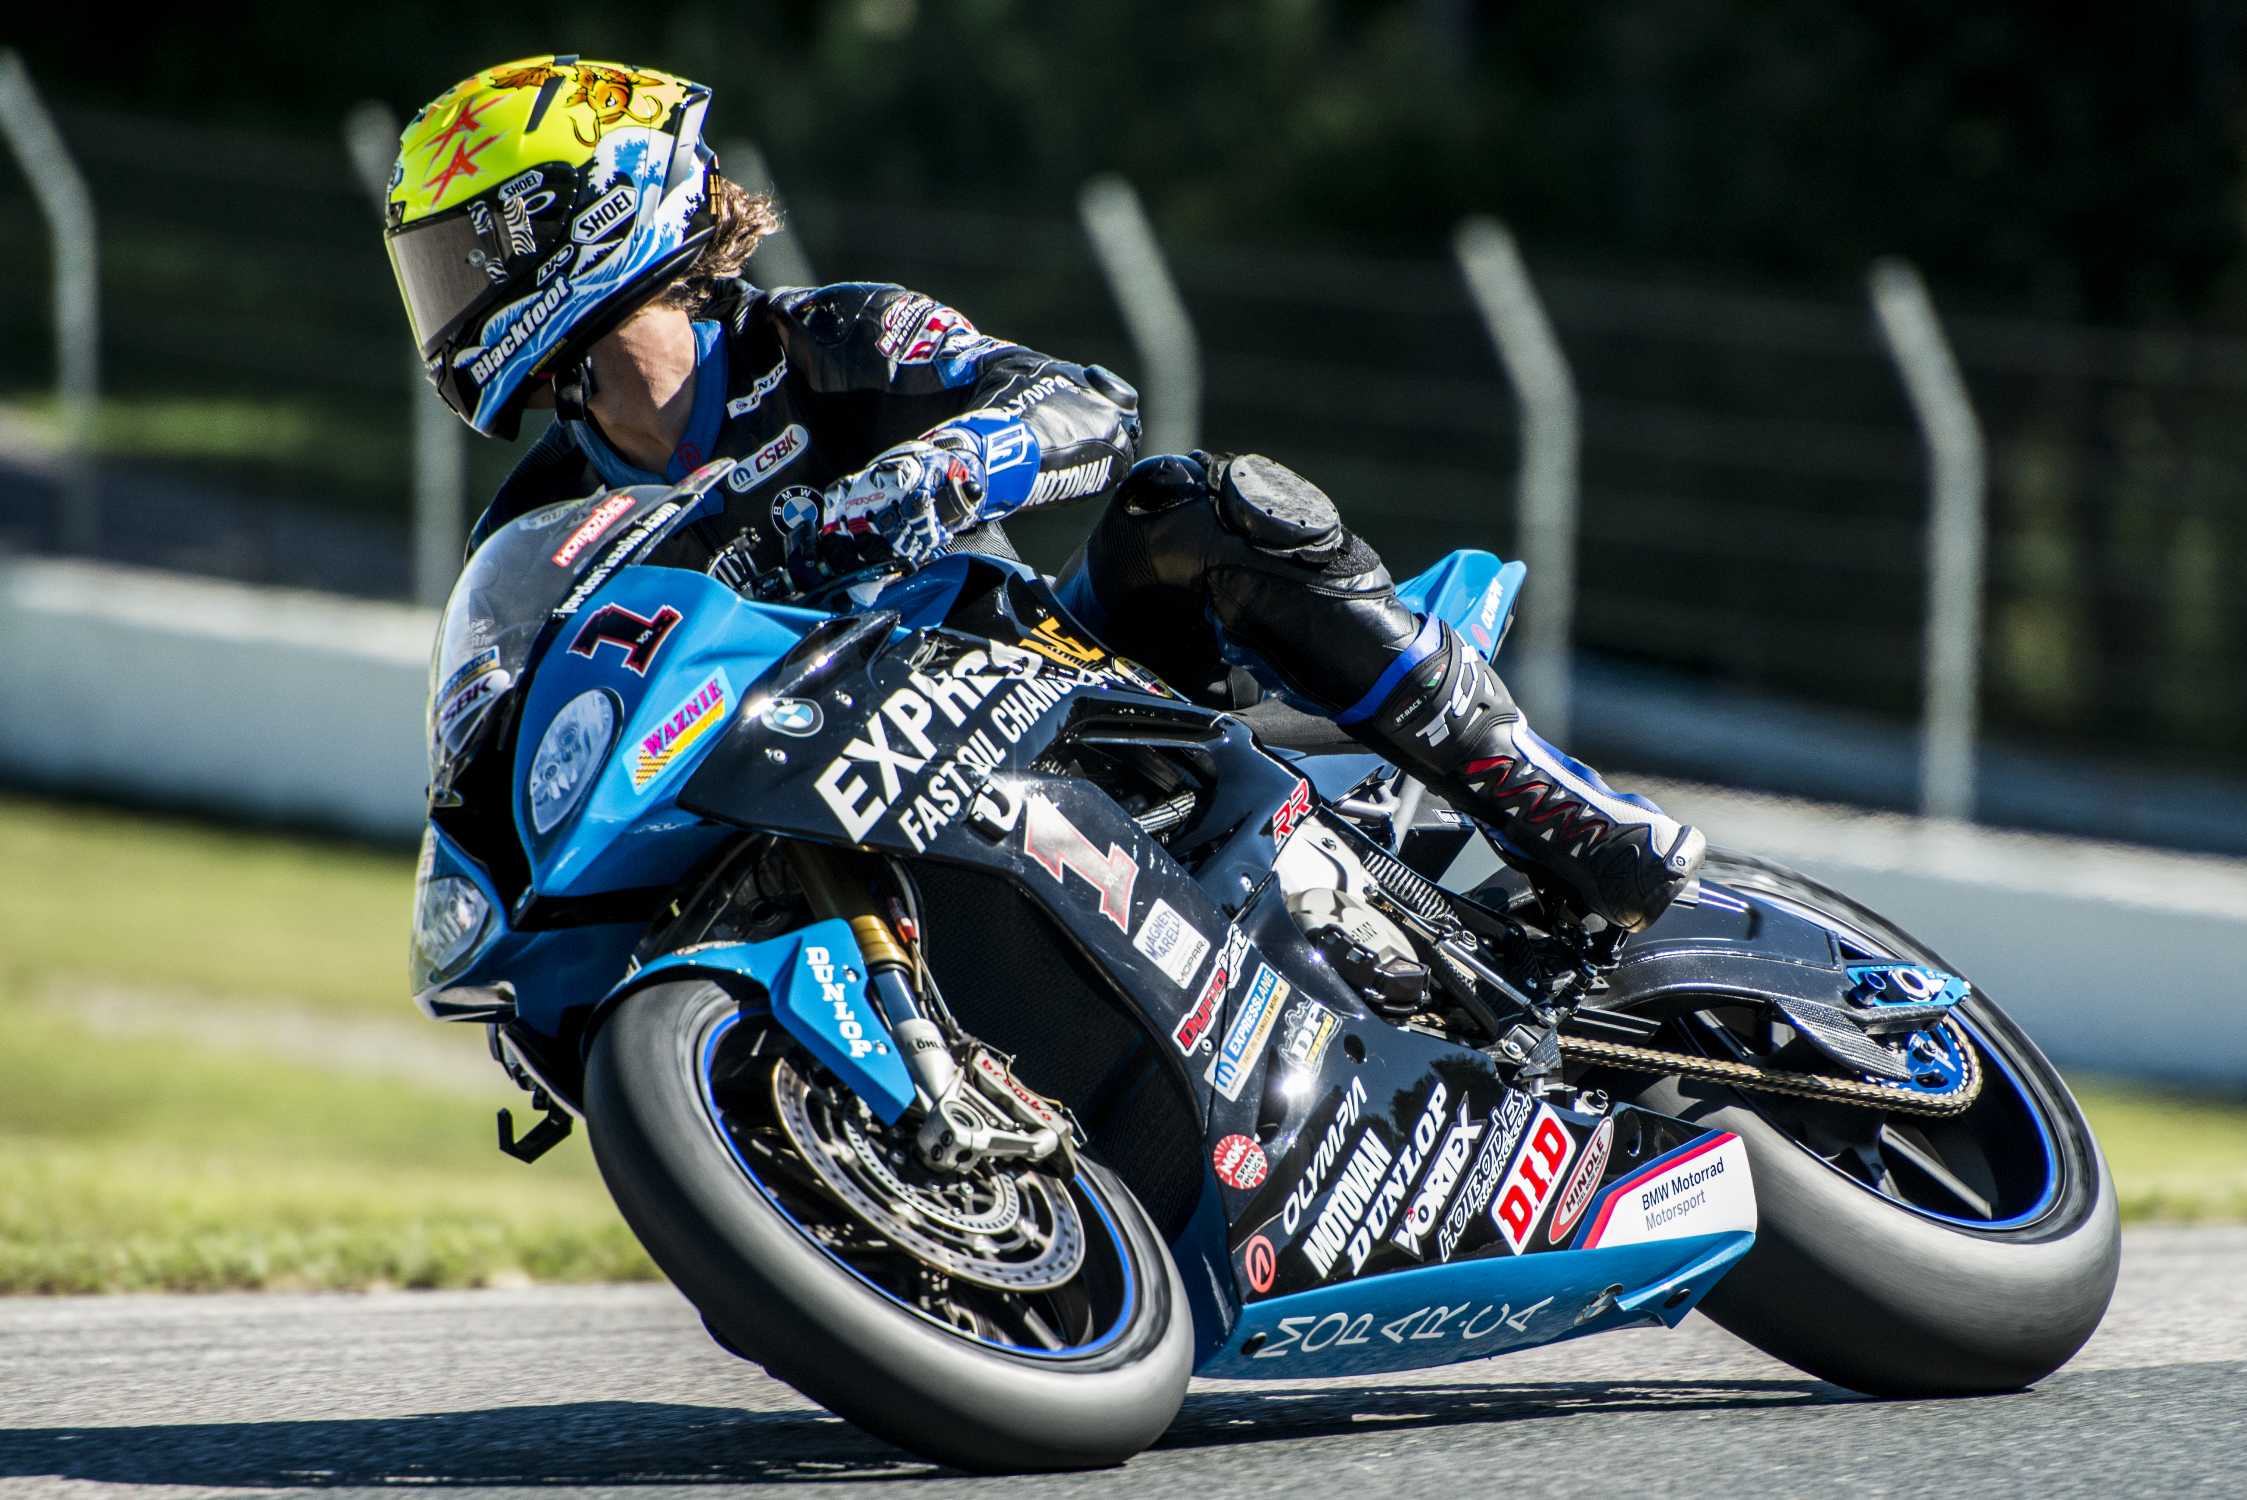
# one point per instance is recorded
(831, 992)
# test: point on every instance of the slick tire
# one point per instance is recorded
(767, 1291)
(1849, 1287)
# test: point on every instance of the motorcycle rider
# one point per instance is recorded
(561, 236)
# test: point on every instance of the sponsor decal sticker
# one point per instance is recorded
(1244, 1041)
(637, 637)
(1443, 1178)
(793, 716)
(1507, 1123)
(1355, 1187)
(607, 212)
(468, 693)
(1004, 692)
(679, 731)
(1292, 811)
(1261, 1263)
(1071, 483)
(1530, 1181)
(604, 516)
(1410, 1158)
(1305, 1033)
(1240, 1162)
(754, 397)
(1193, 1027)
(642, 532)
(1700, 1188)
(821, 963)
(1171, 943)
(770, 459)
(1582, 1183)
(1306, 1190)
(1459, 1322)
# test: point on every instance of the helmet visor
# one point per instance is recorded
(440, 265)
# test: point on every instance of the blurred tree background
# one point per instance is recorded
(1699, 186)
(2076, 164)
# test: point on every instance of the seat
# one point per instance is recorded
(1283, 726)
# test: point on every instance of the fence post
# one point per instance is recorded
(1546, 492)
(1955, 528)
(60, 189)
(781, 260)
(1131, 259)
(440, 454)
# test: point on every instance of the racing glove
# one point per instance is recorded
(916, 497)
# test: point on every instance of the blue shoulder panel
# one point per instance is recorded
(816, 978)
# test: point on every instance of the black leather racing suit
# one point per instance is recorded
(1200, 564)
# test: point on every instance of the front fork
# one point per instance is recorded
(971, 1113)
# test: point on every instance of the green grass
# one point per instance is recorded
(152, 1158)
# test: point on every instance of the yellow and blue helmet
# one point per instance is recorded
(533, 207)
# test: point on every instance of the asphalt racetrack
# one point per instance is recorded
(521, 1393)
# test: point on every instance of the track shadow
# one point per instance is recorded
(630, 1443)
(596, 1443)
(1229, 1417)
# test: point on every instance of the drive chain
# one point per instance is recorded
(1778, 1081)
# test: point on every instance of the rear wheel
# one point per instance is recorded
(1001, 1319)
(1901, 1254)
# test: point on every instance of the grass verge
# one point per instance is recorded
(155, 1159)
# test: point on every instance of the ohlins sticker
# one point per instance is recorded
(1061, 848)
(679, 731)
(1192, 1029)
(1507, 1122)
(1337, 1134)
(1004, 692)
(1411, 1157)
(823, 969)
(1531, 1179)
(604, 516)
(1582, 1183)
(1244, 1042)
(1443, 1178)
(636, 637)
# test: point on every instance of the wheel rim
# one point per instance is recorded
(1994, 1167)
(1040, 1316)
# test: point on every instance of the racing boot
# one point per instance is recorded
(1452, 723)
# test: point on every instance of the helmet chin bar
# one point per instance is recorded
(573, 390)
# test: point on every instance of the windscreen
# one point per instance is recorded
(511, 588)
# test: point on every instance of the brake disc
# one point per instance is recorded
(1004, 1225)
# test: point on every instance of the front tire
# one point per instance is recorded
(1857, 1289)
(768, 1288)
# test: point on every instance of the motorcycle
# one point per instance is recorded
(985, 1038)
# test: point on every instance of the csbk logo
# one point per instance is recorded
(1582, 1183)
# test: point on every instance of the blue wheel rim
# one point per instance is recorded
(1085, 1193)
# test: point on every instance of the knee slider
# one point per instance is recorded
(1278, 510)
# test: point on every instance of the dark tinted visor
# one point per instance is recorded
(440, 268)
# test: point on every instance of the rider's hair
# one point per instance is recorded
(743, 219)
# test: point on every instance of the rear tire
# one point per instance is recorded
(768, 1289)
(1853, 1288)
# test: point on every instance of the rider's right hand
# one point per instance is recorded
(911, 499)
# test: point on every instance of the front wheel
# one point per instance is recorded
(1899, 1255)
(1002, 1319)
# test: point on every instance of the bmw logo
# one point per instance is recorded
(793, 716)
(796, 508)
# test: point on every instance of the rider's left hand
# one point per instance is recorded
(913, 497)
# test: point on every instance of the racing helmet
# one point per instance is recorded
(533, 207)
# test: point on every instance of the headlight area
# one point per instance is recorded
(451, 917)
(571, 752)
